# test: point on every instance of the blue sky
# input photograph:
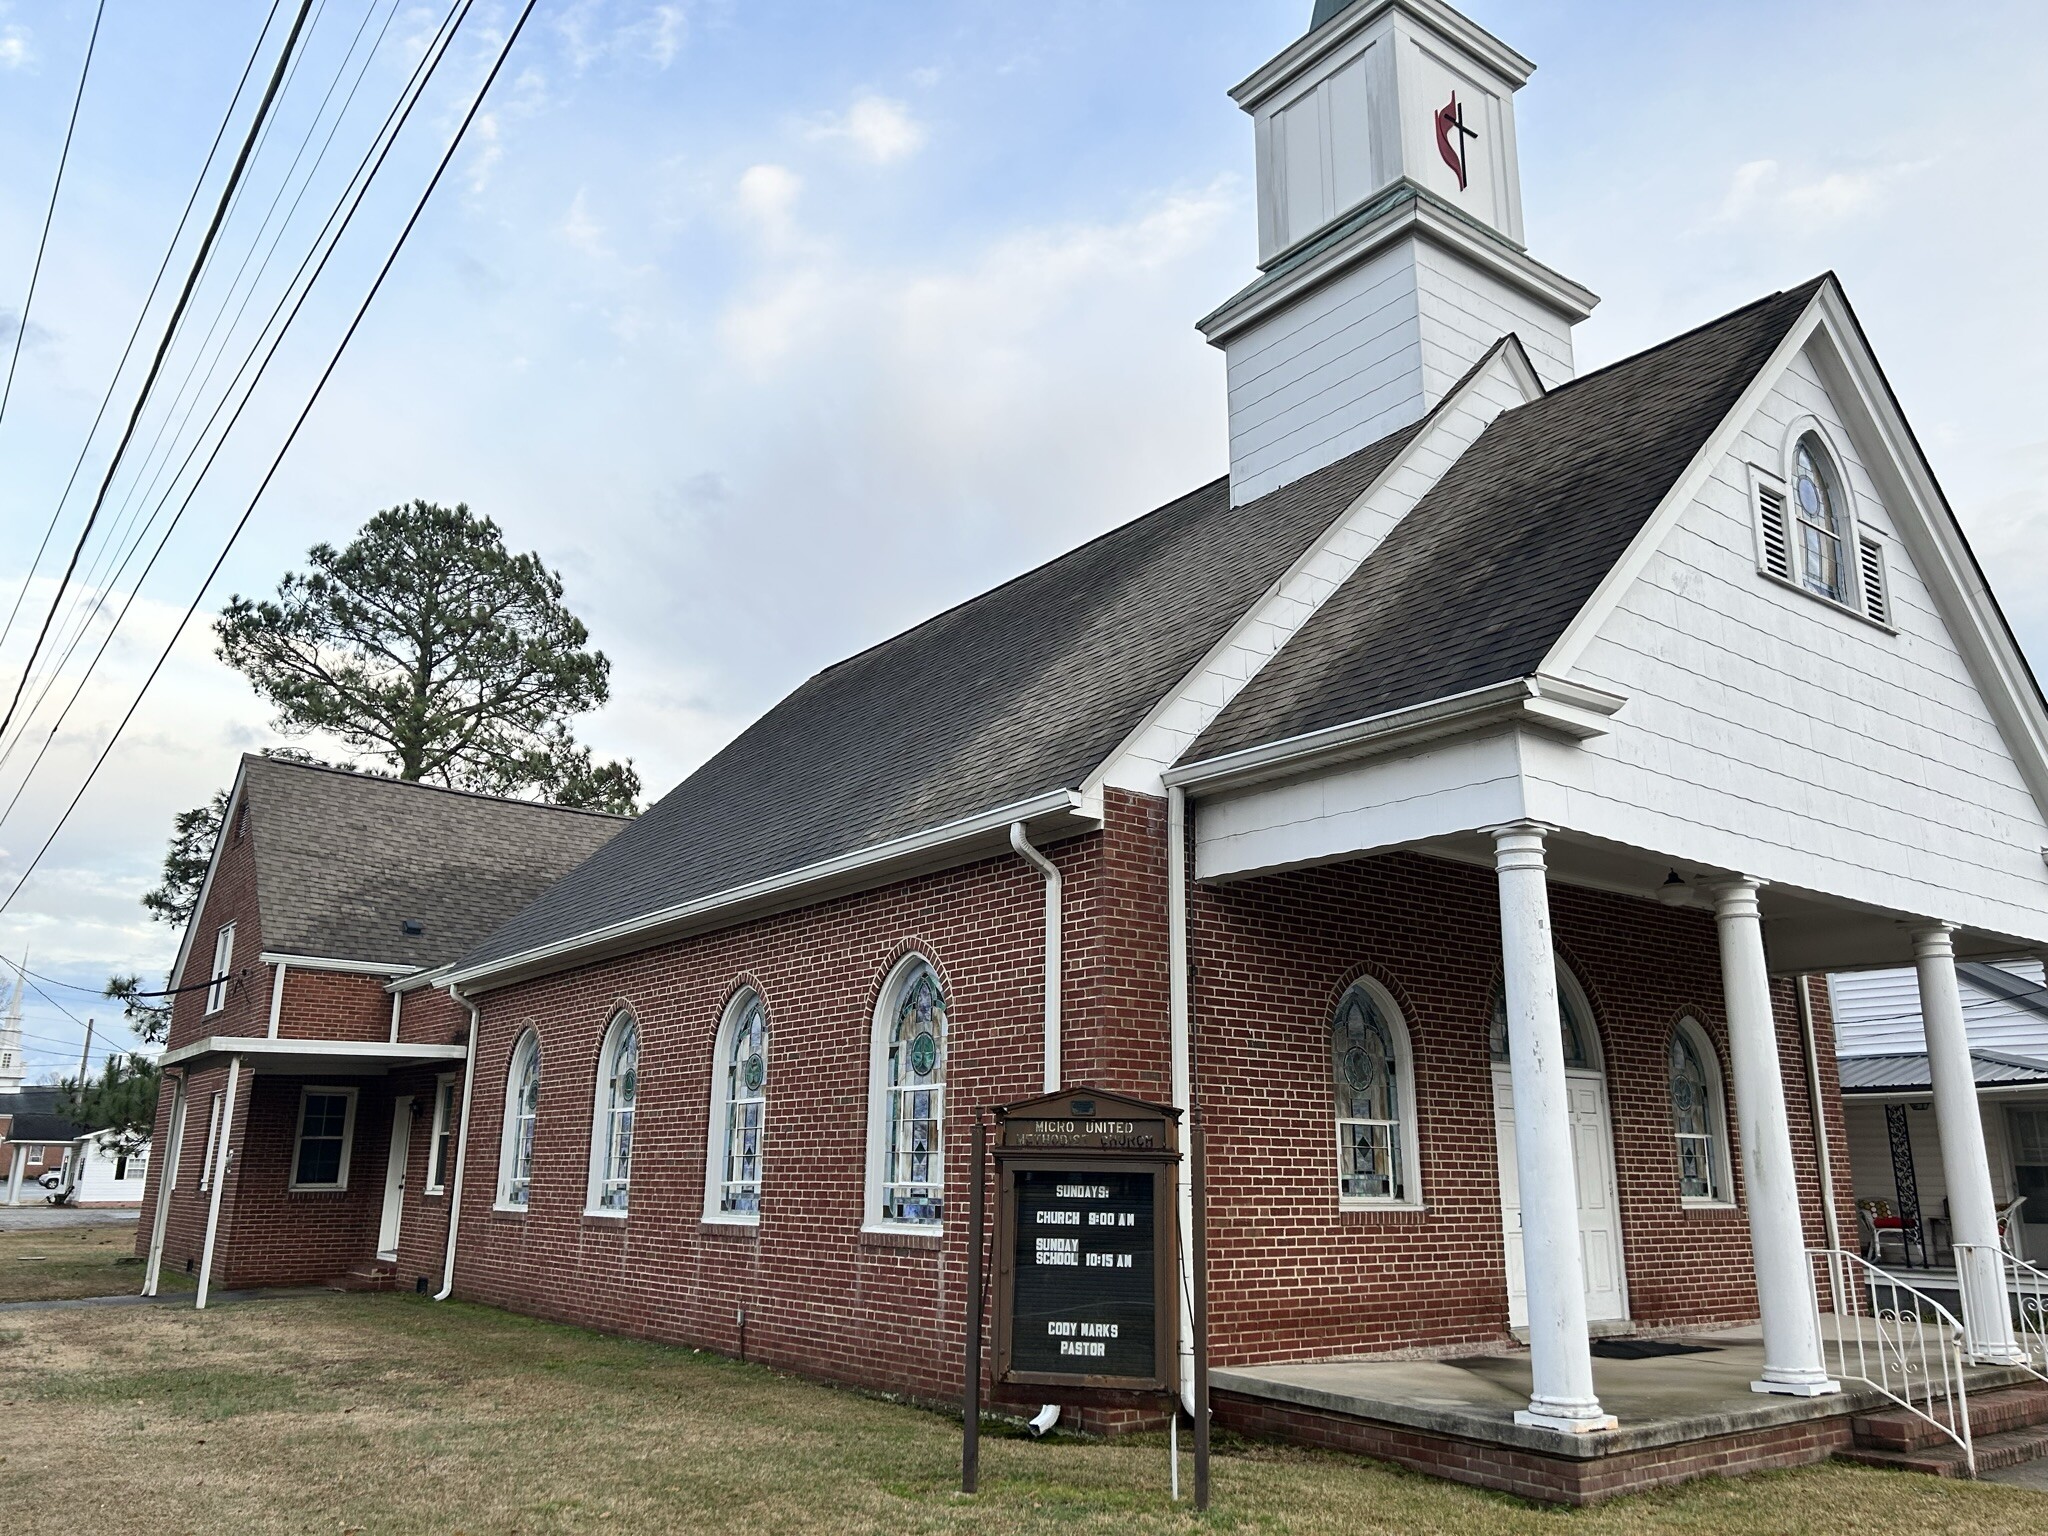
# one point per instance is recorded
(779, 326)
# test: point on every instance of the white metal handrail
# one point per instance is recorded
(2025, 1288)
(1898, 1339)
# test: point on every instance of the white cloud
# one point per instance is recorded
(877, 128)
(767, 197)
(594, 29)
(668, 28)
(581, 229)
(1761, 188)
(15, 52)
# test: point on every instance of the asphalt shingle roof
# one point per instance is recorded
(41, 1129)
(344, 860)
(1477, 582)
(1021, 691)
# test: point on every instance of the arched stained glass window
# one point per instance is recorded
(913, 1108)
(744, 1088)
(1696, 1119)
(1570, 1018)
(1823, 529)
(618, 1087)
(522, 1115)
(1374, 1100)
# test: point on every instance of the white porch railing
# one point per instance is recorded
(1888, 1335)
(2026, 1299)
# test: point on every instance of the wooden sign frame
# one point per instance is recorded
(1089, 1132)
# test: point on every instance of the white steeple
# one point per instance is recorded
(1390, 237)
(12, 1069)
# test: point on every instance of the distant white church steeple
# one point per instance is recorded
(12, 1069)
(1390, 237)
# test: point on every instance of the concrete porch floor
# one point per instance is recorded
(1663, 1401)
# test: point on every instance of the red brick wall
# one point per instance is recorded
(333, 1005)
(230, 898)
(820, 1296)
(1295, 1277)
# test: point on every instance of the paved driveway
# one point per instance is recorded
(44, 1218)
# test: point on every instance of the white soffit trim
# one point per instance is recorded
(256, 1050)
(1548, 704)
(220, 841)
(328, 963)
(864, 867)
(1509, 353)
(1925, 522)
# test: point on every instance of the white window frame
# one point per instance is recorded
(886, 1002)
(443, 1131)
(223, 962)
(1409, 1142)
(1702, 1044)
(508, 1133)
(348, 1135)
(718, 1142)
(212, 1142)
(604, 1115)
(1863, 549)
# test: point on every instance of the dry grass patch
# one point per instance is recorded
(59, 1263)
(390, 1414)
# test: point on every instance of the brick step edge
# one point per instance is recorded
(1994, 1454)
(1995, 1413)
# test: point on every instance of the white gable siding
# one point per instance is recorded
(1770, 733)
(1878, 1013)
(1174, 726)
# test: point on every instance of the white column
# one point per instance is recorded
(1770, 1183)
(220, 1178)
(1973, 1214)
(17, 1159)
(1560, 1351)
(166, 1177)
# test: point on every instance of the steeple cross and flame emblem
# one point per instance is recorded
(1451, 134)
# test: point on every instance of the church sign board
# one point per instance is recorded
(1085, 1251)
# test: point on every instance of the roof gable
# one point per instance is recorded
(1477, 583)
(1019, 692)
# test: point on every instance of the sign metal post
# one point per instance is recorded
(1198, 1255)
(970, 1440)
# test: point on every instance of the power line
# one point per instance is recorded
(170, 331)
(50, 213)
(366, 171)
(92, 608)
(56, 512)
(327, 373)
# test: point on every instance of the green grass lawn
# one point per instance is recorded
(74, 1261)
(362, 1414)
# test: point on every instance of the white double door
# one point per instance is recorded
(1599, 1210)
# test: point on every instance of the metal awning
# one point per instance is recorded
(1906, 1072)
(303, 1058)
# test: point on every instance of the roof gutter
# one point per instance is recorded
(1545, 703)
(903, 855)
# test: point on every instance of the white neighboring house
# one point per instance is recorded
(1894, 1147)
(100, 1173)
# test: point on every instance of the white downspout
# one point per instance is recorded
(1053, 888)
(1823, 1159)
(1183, 1086)
(397, 999)
(276, 998)
(461, 1147)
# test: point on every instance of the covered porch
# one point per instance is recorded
(307, 1146)
(1511, 781)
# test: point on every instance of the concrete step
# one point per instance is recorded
(373, 1276)
(1994, 1454)
(1991, 1413)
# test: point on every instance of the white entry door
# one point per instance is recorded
(1599, 1210)
(394, 1177)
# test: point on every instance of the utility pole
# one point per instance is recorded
(85, 1057)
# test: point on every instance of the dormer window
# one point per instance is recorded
(1823, 565)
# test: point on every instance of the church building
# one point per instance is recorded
(1456, 806)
